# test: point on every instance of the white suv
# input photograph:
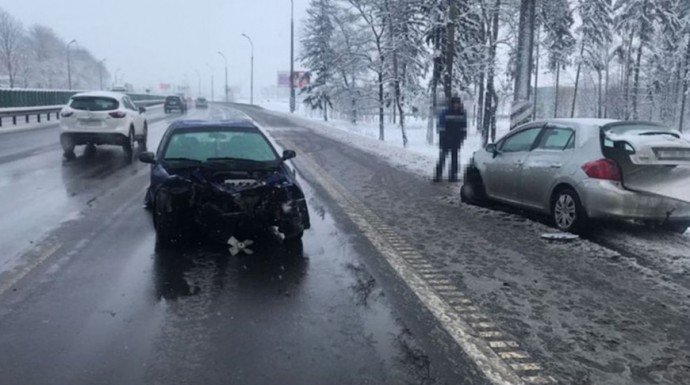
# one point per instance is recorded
(102, 118)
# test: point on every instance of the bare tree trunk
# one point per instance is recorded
(577, 80)
(325, 111)
(626, 84)
(599, 93)
(683, 98)
(480, 108)
(450, 50)
(536, 79)
(489, 98)
(636, 83)
(558, 78)
(606, 94)
(381, 116)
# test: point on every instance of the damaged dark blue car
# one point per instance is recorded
(223, 180)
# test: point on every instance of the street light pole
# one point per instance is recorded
(226, 75)
(116, 72)
(251, 87)
(292, 56)
(212, 90)
(100, 72)
(69, 65)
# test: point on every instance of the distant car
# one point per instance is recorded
(225, 180)
(102, 118)
(201, 102)
(175, 103)
(580, 169)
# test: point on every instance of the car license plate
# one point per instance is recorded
(673, 154)
(90, 123)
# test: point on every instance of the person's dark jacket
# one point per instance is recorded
(452, 127)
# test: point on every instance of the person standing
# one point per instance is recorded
(452, 132)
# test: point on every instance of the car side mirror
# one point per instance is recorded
(142, 110)
(147, 157)
(491, 147)
(289, 154)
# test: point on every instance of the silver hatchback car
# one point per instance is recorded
(581, 169)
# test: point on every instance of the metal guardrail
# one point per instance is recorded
(47, 112)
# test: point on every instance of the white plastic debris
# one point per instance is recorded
(565, 237)
(236, 246)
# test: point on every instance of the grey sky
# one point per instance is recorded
(155, 41)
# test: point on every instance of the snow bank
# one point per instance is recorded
(419, 157)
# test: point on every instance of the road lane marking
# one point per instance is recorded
(42, 252)
(415, 271)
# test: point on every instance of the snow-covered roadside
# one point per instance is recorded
(419, 157)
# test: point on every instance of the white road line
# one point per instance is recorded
(496, 370)
(44, 253)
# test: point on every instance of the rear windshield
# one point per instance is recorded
(172, 99)
(201, 99)
(94, 103)
(203, 145)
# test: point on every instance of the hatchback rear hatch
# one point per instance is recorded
(95, 112)
(653, 159)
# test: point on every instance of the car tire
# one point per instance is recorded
(128, 146)
(567, 211)
(473, 190)
(676, 227)
(167, 230)
(143, 141)
(70, 155)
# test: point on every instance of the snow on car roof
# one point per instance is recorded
(581, 122)
(109, 94)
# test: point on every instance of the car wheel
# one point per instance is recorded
(128, 147)
(166, 227)
(472, 190)
(567, 211)
(676, 227)
(144, 137)
(69, 155)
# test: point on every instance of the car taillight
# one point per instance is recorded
(117, 114)
(605, 169)
(66, 114)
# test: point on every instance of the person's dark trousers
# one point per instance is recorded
(453, 176)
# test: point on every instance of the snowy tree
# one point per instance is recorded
(596, 35)
(371, 12)
(637, 18)
(11, 41)
(404, 47)
(319, 55)
(557, 22)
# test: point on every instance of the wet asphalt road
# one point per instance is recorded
(86, 299)
(611, 309)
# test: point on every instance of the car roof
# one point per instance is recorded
(108, 94)
(580, 122)
(243, 124)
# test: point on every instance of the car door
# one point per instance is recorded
(503, 170)
(544, 163)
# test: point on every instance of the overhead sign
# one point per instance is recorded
(164, 86)
(300, 79)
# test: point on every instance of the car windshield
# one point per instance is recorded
(94, 103)
(219, 145)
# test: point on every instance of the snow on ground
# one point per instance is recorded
(419, 156)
